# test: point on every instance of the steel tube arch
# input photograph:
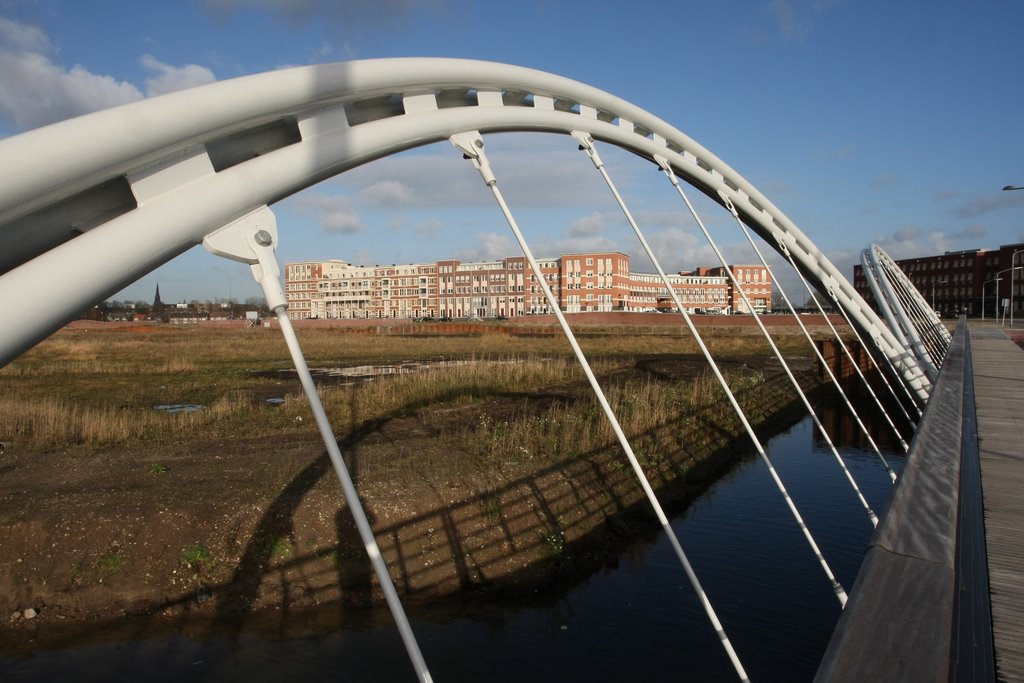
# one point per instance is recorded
(344, 115)
(910, 317)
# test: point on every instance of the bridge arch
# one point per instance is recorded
(912, 320)
(91, 204)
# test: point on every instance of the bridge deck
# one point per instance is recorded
(999, 394)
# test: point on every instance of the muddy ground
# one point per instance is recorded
(193, 531)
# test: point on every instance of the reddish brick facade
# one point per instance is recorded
(592, 282)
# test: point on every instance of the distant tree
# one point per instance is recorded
(255, 302)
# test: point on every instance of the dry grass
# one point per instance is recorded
(656, 410)
(100, 388)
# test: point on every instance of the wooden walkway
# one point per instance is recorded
(999, 394)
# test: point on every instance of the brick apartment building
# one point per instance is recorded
(303, 286)
(585, 282)
(962, 281)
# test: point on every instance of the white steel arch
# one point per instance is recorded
(910, 317)
(91, 204)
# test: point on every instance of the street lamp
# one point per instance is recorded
(984, 284)
(941, 282)
(1004, 270)
(1012, 258)
(1013, 278)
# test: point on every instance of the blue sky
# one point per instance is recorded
(895, 123)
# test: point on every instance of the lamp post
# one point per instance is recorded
(1012, 261)
(1012, 258)
(1013, 280)
(996, 280)
(941, 282)
(1004, 270)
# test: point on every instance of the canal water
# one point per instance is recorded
(636, 621)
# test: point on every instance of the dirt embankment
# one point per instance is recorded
(219, 530)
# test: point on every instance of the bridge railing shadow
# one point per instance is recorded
(553, 523)
(548, 527)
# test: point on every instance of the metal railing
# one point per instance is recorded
(919, 609)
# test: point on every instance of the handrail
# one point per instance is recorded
(913, 614)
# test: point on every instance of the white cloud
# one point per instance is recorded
(972, 232)
(441, 177)
(678, 249)
(22, 37)
(35, 91)
(490, 246)
(390, 193)
(333, 213)
(325, 50)
(647, 219)
(588, 225)
(907, 234)
(167, 78)
(912, 242)
(979, 206)
(576, 245)
(433, 179)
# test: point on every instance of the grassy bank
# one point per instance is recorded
(100, 388)
(500, 473)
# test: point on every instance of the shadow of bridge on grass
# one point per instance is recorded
(525, 528)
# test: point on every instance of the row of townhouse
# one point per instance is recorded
(505, 288)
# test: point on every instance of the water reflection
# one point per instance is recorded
(363, 373)
(179, 407)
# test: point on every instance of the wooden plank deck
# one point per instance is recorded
(999, 394)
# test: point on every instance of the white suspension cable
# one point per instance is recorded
(856, 367)
(471, 145)
(670, 174)
(920, 318)
(871, 357)
(873, 273)
(824, 364)
(849, 357)
(890, 302)
(587, 146)
(821, 358)
(252, 239)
